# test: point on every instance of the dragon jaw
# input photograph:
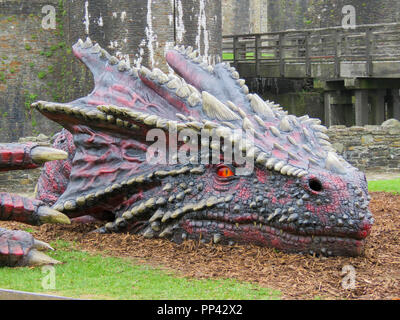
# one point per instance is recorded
(301, 197)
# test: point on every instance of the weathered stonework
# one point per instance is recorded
(29, 65)
(259, 16)
(37, 63)
(372, 148)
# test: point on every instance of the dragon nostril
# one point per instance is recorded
(315, 185)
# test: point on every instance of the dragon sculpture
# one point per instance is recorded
(300, 197)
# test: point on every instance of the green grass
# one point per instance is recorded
(91, 276)
(249, 55)
(392, 186)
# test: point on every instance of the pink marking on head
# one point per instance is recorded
(77, 53)
(365, 230)
(166, 95)
(279, 154)
(261, 175)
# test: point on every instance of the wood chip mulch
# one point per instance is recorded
(296, 276)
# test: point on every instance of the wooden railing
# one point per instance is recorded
(278, 53)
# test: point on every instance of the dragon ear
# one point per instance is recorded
(119, 84)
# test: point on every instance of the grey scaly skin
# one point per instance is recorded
(301, 196)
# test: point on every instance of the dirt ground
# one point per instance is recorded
(296, 276)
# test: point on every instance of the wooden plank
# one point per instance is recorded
(281, 56)
(21, 295)
(257, 55)
(318, 49)
(368, 40)
(362, 107)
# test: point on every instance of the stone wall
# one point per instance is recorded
(29, 64)
(258, 16)
(329, 13)
(141, 31)
(372, 148)
(244, 16)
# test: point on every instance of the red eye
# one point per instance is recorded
(225, 172)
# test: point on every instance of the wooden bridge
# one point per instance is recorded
(346, 63)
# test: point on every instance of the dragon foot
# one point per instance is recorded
(33, 212)
(19, 248)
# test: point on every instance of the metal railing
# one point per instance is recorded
(366, 43)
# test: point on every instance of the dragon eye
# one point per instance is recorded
(225, 172)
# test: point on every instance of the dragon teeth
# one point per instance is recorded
(279, 166)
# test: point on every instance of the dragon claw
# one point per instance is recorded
(41, 155)
(51, 216)
(19, 248)
(41, 246)
(37, 258)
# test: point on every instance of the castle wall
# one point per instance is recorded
(142, 31)
(37, 64)
(376, 148)
(260, 16)
(29, 56)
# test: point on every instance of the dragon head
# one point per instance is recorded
(297, 194)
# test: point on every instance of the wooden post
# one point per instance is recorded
(362, 107)
(378, 106)
(369, 51)
(257, 54)
(328, 109)
(308, 56)
(337, 48)
(281, 55)
(235, 53)
(395, 104)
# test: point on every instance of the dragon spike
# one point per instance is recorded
(260, 107)
(334, 164)
(79, 43)
(96, 58)
(285, 125)
(215, 109)
(43, 154)
(96, 49)
(87, 44)
(41, 246)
